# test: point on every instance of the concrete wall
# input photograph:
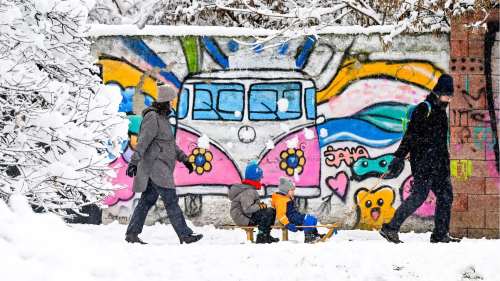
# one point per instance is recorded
(325, 112)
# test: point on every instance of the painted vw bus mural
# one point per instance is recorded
(227, 118)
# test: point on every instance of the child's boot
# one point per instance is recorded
(265, 238)
(311, 237)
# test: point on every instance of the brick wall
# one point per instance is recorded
(474, 115)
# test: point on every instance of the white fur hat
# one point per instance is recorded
(166, 93)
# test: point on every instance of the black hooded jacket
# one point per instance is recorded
(427, 139)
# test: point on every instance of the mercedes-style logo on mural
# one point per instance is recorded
(246, 134)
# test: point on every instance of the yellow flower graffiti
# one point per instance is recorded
(201, 159)
(292, 161)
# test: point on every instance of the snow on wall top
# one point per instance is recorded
(97, 30)
(251, 74)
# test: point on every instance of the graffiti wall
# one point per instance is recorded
(327, 112)
(474, 127)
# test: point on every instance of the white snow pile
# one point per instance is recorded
(204, 142)
(41, 247)
(282, 105)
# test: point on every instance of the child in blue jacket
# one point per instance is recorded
(289, 216)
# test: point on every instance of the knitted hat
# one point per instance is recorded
(166, 93)
(285, 185)
(253, 171)
(444, 86)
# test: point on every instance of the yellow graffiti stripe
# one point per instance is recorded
(126, 75)
(420, 73)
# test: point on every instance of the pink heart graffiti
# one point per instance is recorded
(338, 184)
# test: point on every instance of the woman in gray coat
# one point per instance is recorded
(152, 166)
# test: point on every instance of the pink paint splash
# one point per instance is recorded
(428, 207)
(223, 171)
(310, 175)
(121, 179)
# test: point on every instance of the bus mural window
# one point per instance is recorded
(229, 102)
(183, 104)
(218, 101)
(263, 101)
(311, 103)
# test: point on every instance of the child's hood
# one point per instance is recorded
(238, 189)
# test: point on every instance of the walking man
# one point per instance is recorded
(426, 140)
(152, 166)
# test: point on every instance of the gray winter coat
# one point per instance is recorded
(244, 202)
(156, 152)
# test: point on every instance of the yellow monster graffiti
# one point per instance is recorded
(374, 207)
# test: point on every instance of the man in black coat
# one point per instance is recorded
(426, 140)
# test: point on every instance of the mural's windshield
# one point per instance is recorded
(265, 98)
(218, 101)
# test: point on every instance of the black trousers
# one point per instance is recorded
(441, 186)
(264, 219)
(171, 202)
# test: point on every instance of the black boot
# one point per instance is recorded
(133, 238)
(390, 235)
(444, 239)
(312, 237)
(265, 238)
(273, 239)
(191, 238)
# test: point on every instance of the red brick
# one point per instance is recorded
(476, 34)
(469, 151)
(493, 219)
(460, 135)
(476, 48)
(481, 169)
(469, 219)
(458, 232)
(460, 202)
(478, 118)
(459, 116)
(483, 233)
(458, 31)
(483, 202)
(473, 185)
(459, 48)
(492, 186)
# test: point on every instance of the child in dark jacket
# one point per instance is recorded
(289, 216)
(246, 207)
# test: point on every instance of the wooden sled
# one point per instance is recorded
(332, 229)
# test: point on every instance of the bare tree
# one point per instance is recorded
(56, 124)
(294, 17)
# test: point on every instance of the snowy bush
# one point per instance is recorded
(56, 123)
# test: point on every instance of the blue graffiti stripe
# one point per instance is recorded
(356, 130)
(215, 52)
(306, 51)
(143, 51)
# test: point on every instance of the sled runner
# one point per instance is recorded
(332, 229)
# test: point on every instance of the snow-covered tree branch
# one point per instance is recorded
(295, 17)
(56, 123)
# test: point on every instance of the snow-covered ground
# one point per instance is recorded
(42, 247)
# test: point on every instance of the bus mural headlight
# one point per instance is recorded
(292, 160)
(201, 158)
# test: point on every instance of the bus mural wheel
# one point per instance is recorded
(193, 205)
(292, 161)
(201, 158)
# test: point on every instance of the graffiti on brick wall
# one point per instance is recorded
(327, 119)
